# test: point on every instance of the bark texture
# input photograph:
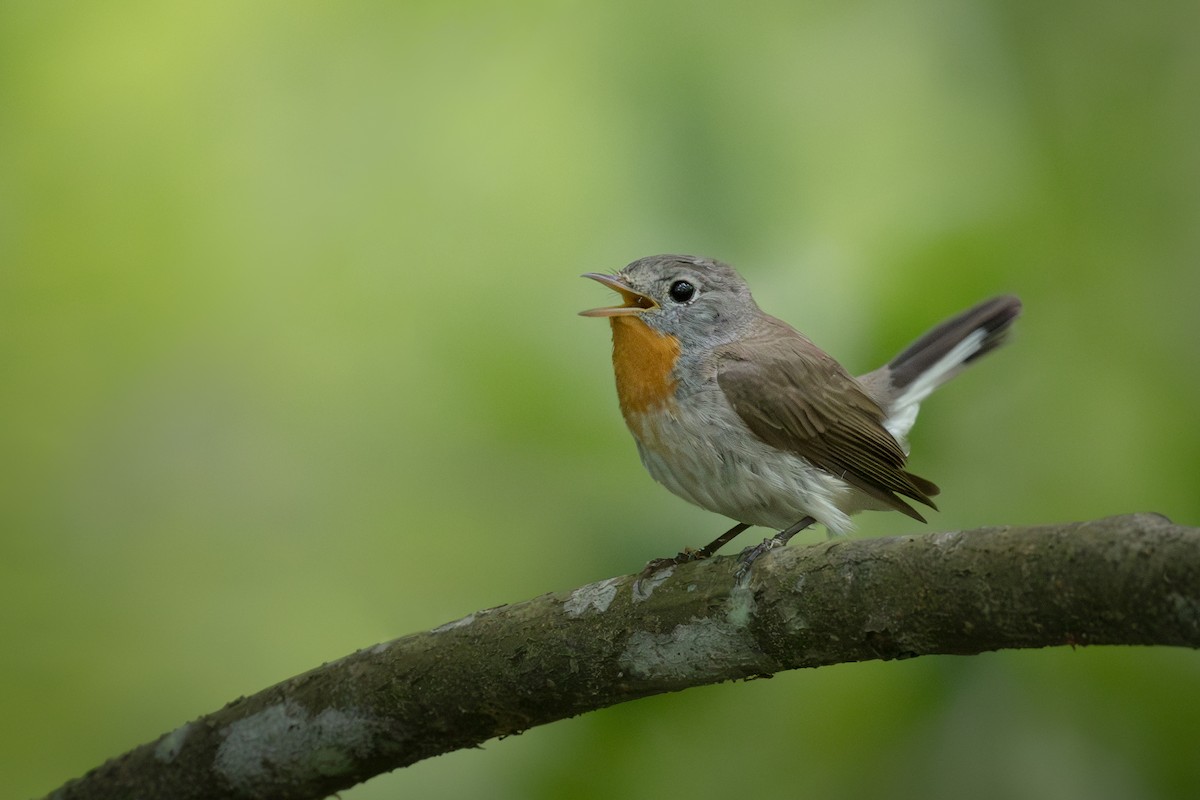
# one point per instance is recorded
(1130, 580)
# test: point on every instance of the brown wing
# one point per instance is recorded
(795, 397)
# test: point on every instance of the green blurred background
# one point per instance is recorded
(290, 362)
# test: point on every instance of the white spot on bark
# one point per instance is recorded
(741, 606)
(287, 740)
(170, 744)
(701, 648)
(644, 587)
(946, 538)
(458, 623)
(593, 597)
(704, 648)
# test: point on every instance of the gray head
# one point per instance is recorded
(698, 300)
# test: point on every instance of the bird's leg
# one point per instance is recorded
(695, 555)
(719, 542)
(783, 537)
(751, 554)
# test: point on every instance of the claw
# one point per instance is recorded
(748, 556)
(752, 554)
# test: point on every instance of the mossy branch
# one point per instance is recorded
(1131, 580)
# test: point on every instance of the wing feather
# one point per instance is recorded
(795, 397)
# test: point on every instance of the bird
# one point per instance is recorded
(737, 412)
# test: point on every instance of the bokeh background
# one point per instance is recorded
(289, 360)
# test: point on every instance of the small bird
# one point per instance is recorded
(739, 413)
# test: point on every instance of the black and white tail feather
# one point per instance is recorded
(904, 382)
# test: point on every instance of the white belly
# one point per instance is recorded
(710, 458)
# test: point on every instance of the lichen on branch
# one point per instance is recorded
(1122, 580)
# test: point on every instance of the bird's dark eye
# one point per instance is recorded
(682, 291)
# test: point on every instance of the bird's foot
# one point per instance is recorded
(682, 557)
(646, 579)
(751, 554)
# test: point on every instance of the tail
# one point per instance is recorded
(939, 355)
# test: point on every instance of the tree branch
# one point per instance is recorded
(1123, 580)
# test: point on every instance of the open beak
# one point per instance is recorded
(635, 302)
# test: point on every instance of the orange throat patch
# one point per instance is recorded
(643, 360)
